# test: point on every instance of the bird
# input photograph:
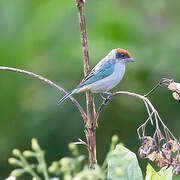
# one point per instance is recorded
(104, 76)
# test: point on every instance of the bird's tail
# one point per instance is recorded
(67, 96)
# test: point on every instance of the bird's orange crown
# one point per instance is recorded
(119, 50)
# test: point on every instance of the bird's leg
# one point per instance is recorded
(102, 97)
(106, 100)
(108, 93)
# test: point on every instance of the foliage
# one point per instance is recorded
(43, 37)
(120, 163)
(67, 168)
(164, 174)
(123, 165)
(20, 160)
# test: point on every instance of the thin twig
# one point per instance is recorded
(150, 114)
(153, 89)
(143, 126)
(48, 82)
(165, 127)
(164, 81)
(80, 142)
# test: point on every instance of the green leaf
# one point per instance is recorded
(123, 165)
(163, 174)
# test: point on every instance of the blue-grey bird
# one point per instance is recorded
(105, 75)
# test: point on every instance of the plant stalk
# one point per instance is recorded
(90, 127)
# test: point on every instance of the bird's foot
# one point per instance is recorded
(105, 102)
(102, 97)
(107, 99)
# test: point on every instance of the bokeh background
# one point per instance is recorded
(42, 36)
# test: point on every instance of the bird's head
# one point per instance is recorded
(121, 55)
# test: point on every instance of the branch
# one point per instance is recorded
(151, 111)
(85, 54)
(171, 85)
(90, 130)
(48, 82)
(145, 99)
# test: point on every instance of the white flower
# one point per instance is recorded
(11, 178)
(55, 178)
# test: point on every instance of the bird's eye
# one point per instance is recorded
(123, 55)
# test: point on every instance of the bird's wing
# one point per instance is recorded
(100, 71)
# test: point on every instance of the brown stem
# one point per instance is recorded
(164, 81)
(49, 82)
(153, 89)
(90, 131)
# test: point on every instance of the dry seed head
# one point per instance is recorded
(161, 161)
(152, 156)
(147, 140)
(173, 86)
(142, 152)
(167, 154)
(145, 151)
(178, 87)
(172, 146)
(176, 95)
(175, 146)
(178, 158)
(176, 169)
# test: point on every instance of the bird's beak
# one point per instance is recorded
(129, 60)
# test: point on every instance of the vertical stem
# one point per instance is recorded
(90, 130)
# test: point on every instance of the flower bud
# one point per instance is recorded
(17, 172)
(54, 167)
(14, 161)
(16, 152)
(65, 163)
(115, 139)
(28, 154)
(35, 145)
(72, 146)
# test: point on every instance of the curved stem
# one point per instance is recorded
(50, 83)
(145, 100)
(149, 113)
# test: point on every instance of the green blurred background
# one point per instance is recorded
(42, 36)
